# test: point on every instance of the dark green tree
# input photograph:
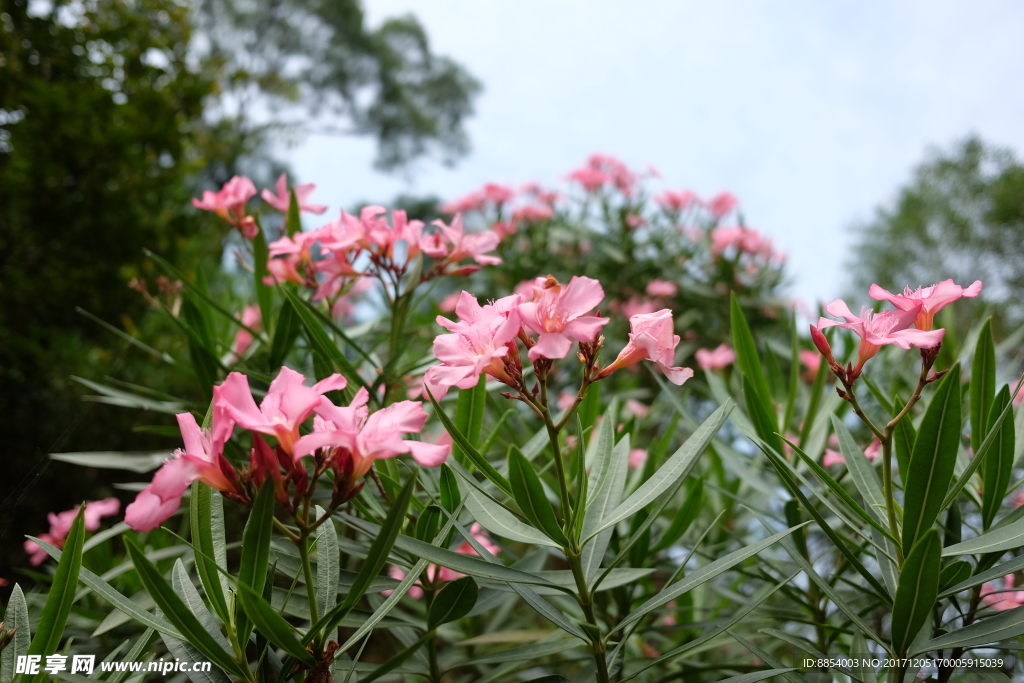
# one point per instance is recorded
(961, 216)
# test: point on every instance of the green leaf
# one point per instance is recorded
(997, 572)
(954, 573)
(983, 384)
(756, 676)
(903, 439)
(918, 588)
(998, 465)
(182, 585)
(475, 457)
(533, 651)
(746, 354)
(16, 617)
(132, 462)
(501, 522)
(688, 512)
(293, 223)
(285, 333)
(107, 592)
(610, 482)
(701, 576)
(54, 617)
(762, 420)
(452, 602)
(252, 569)
(383, 541)
(178, 613)
(185, 653)
(469, 413)
(321, 342)
(272, 625)
(208, 544)
(998, 540)
(134, 655)
(933, 459)
(396, 661)
(994, 629)
(674, 469)
(451, 497)
(528, 492)
(264, 292)
(767, 658)
(327, 563)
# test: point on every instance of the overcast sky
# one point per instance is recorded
(811, 113)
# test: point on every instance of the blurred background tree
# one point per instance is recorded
(961, 214)
(113, 113)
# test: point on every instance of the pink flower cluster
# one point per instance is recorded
(745, 241)
(370, 245)
(601, 170)
(715, 359)
(230, 202)
(436, 574)
(346, 440)
(60, 526)
(914, 307)
(1000, 599)
(506, 207)
(718, 206)
(484, 340)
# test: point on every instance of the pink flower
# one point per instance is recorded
(638, 306)
(661, 288)
(811, 359)
(591, 179)
(60, 526)
(1019, 398)
(448, 304)
(602, 169)
(229, 204)
(243, 340)
(636, 408)
(382, 237)
(479, 200)
(677, 201)
(743, 239)
(637, 457)
(435, 574)
(452, 244)
(1002, 601)
(879, 329)
(652, 338)
(873, 450)
(833, 458)
(359, 438)
(558, 314)
(721, 204)
(200, 460)
(282, 199)
(634, 221)
(532, 213)
(1018, 499)
(285, 407)
(715, 359)
(926, 301)
(565, 400)
(479, 342)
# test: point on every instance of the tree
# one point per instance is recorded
(962, 215)
(113, 113)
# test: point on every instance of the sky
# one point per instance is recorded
(812, 114)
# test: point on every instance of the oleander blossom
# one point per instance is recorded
(715, 359)
(60, 526)
(452, 244)
(558, 313)
(200, 460)
(282, 198)
(651, 337)
(229, 204)
(926, 301)
(880, 329)
(479, 342)
(252, 319)
(662, 288)
(356, 438)
(1000, 599)
(286, 405)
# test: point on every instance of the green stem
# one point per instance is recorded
(307, 572)
(586, 600)
(890, 502)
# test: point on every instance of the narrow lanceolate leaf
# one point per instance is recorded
(50, 628)
(701, 576)
(469, 413)
(999, 540)
(264, 292)
(501, 522)
(689, 511)
(474, 455)
(903, 438)
(607, 497)
(176, 612)
(182, 585)
(998, 465)
(286, 330)
(383, 541)
(983, 384)
(321, 341)
(997, 572)
(396, 661)
(1003, 626)
(272, 625)
(528, 493)
(451, 496)
(327, 563)
(452, 602)
(16, 617)
(746, 353)
(755, 676)
(918, 587)
(204, 530)
(252, 570)
(954, 574)
(933, 459)
(761, 416)
(674, 469)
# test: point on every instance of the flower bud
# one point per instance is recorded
(822, 344)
